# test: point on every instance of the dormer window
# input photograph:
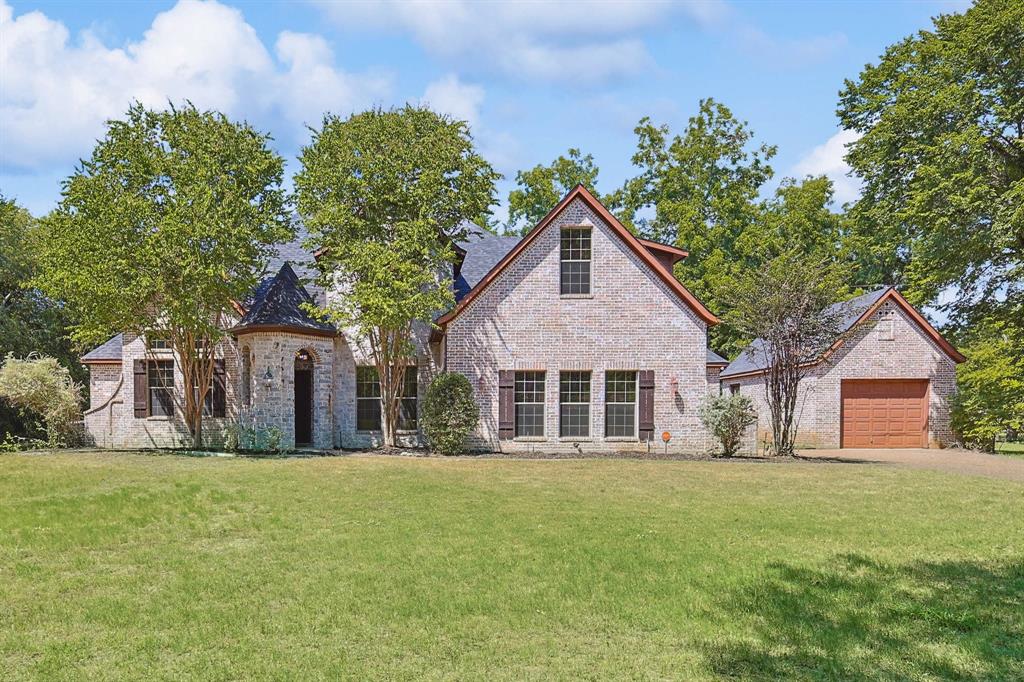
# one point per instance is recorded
(575, 256)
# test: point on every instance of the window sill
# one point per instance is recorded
(570, 439)
(621, 439)
(381, 433)
(158, 419)
(576, 296)
(530, 439)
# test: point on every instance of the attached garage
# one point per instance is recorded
(884, 413)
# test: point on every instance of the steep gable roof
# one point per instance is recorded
(716, 359)
(858, 309)
(277, 305)
(108, 352)
(645, 255)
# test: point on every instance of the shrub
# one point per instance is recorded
(727, 418)
(449, 413)
(42, 386)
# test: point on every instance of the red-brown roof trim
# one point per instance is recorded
(896, 297)
(917, 317)
(633, 242)
(676, 253)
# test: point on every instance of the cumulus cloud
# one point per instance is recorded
(57, 92)
(587, 41)
(451, 96)
(828, 159)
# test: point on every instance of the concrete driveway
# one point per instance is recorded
(965, 462)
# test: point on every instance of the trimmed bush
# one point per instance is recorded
(727, 418)
(449, 413)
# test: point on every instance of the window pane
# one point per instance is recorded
(574, 387)
(529, 404)
(529, 420)
(367, 385)
(407, 414)
(161, 387)
(620, 421)
(575, 258)
(529, 387)
(575, 421)
(368, 414)
(620, 387)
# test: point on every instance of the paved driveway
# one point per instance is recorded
(954, 461)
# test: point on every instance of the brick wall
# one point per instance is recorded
(632, 321)
(869, 354)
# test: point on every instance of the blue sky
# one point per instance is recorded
(533, 78)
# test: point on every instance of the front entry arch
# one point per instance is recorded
(304, 369)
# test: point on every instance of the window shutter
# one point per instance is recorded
(141, 389)
(219, 389)
(646, 404)
(506, 404)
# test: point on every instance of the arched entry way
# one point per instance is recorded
(303, 398)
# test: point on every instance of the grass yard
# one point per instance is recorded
(1015, 449)
(117, 566)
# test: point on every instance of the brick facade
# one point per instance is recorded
(631, 321)
(872, 353)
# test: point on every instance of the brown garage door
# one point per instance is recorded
(889, 413)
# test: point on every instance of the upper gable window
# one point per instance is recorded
(575, 256)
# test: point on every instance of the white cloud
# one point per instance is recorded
(587, 41)
(828, 159)
(451, 96)
(56, 93)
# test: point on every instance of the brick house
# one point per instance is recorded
(888, 384)
(575, 337)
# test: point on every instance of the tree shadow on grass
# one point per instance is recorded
(866, 620)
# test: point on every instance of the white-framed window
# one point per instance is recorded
(620, 392)
(574, 404)
(575, 256)
(161, 387)
(368, 400)
(529, 404)
(246, 376)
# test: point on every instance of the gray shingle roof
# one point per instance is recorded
(109, 351)
(483, 251)
(752, 358)
(278, 302)
(716, 359)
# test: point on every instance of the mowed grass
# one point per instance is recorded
(1016, 449)
(117, 566)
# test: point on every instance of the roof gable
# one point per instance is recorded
(278, 304)
(108, 352)
(859, 309)
(631, 241)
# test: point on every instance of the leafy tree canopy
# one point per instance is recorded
(541, 187)
(990, 385)
(942, 160)
(168, 223)
(384, 194)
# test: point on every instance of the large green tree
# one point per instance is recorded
(168, 223)
(384, 194)
(30, 322)
(541, 187)
(941, 156)
(703, 187)
(990, 385)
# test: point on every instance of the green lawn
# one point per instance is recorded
(1016, 449)
(125, 566)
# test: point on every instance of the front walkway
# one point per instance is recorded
(965, 462)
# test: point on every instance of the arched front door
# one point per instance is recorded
(303, 398)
